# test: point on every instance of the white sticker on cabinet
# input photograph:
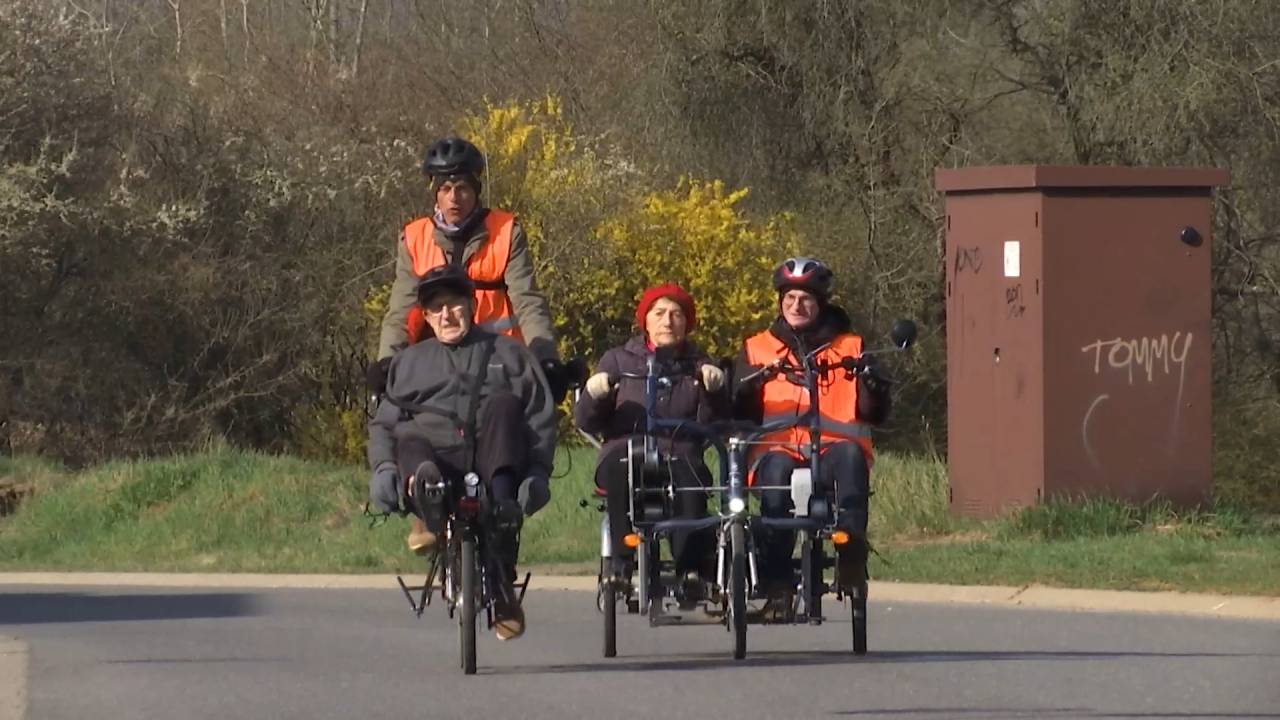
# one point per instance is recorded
(1012, 261)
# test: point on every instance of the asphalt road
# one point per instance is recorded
(155, 653)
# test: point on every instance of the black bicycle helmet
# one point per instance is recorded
(445, 277)
(805, 274)
(453, 156)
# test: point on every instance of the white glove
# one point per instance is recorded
(712, 377)
(598, 386)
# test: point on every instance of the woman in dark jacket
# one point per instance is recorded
(613, 408)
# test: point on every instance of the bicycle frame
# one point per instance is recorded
(731, 441)
(466, 518)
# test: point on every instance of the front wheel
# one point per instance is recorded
(467, 616)
(738, 589)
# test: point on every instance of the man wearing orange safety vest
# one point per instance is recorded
(488, 243)
(807, 320)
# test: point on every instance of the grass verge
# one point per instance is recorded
(233, 511)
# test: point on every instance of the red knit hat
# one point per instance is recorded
(674, 292)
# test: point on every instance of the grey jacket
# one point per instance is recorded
(433, 374)
(530, 305)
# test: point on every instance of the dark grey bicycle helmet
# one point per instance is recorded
(453, 156)
(805, 274)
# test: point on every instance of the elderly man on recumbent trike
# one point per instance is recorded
(810, 358)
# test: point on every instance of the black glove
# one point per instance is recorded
(557, 379)
(384, 488)
(534, 493)
(871, 374)
(376, 375)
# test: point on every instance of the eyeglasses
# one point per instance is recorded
(440, 307)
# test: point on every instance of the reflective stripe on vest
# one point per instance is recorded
(498, 326)
(487, 267)
(783, 400)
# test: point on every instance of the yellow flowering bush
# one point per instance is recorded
(600, 235)
(696, 235)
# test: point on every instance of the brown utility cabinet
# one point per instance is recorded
(1078, 334)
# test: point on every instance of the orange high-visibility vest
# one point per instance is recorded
(487, 268)
(782, 399)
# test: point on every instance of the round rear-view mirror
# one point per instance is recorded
(903, 333)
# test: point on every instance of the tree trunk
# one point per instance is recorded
(355, 58)
(176, 5)
(244, 27)
(315, 9)
(334, 22)
(222, 24)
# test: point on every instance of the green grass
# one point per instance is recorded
(228, 510)
(1244, 565)
(1102, 543)
(232, 511)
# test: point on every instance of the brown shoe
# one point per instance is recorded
(780, 597)
(420, 539)
(508, 621)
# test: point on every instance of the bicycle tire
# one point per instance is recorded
(610, 597)
(467, 618)
(738, 589)
(858, 617)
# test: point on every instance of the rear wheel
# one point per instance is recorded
(738, 589)
(609, 606)
(642, 575)
(858, 616)
(811, 576)
(467, 616)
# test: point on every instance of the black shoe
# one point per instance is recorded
(691, 590)
(429, 491)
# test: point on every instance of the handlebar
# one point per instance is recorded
(851, 365)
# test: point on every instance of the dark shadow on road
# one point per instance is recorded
(832, 657)
(986, 713)
(187, 661)
(39, 608)
(1028, 713)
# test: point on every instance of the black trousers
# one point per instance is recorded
(691, 550)
(843, 467)
(501, 451)
(502, 456)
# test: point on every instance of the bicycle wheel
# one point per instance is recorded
(467, 617)
(813, 564)
(610, 609)
(738, 589)
(858, 616)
